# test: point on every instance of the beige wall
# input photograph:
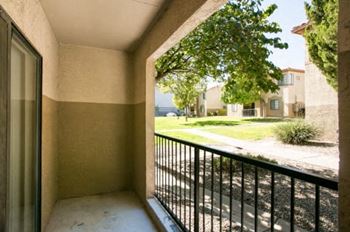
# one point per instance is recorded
(31, 19)
(88, 74)
(321, 102)
(94, 154)
(235, 110)
(344, 114)
(213, 97)
(288, 96)
(95, 120)
(174, 24)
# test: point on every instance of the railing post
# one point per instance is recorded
(196, 189)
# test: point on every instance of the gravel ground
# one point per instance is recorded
(304, 197)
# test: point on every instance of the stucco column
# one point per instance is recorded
(344, 114)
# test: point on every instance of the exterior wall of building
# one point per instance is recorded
(202, 105)
(235, 110)
(163, 103)
(274, 112)
(321, 102)
(95, 108)
(32, 21)
(288, 96)
(213, 98)
(175, 23)
(344, 114)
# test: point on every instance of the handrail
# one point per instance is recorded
(288, 171)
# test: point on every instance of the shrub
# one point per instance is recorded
(236, 165)
(222, 112)
(297, 132)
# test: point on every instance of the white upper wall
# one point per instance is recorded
(163, 99)
(112, 24)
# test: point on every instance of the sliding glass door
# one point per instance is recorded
(22, 159)
(23, 120)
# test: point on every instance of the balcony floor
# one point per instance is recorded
(108, 213)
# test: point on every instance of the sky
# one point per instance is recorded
(289, 14)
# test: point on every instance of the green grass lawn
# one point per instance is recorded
(245, 129)
(170, 123)
(190, 137)
(249, 132)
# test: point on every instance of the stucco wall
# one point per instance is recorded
(175, 22)
(321, 102)
(95, 120)
(88, 74)
(213, 97)
(344, 114)
(32, 21)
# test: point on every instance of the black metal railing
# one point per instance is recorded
(249, 112)
(205, 189)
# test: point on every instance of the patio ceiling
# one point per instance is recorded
(112, 24)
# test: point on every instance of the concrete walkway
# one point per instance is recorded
(272, 149)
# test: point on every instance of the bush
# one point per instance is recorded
(297, 132)
(222, 112)
(236, 165)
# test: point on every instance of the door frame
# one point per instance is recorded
(9, 28)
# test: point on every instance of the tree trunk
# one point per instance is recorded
(186, 114)
(198, 108)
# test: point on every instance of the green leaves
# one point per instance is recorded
(231, 47)
(321, 37)
(185, 87)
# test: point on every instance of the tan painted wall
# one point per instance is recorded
(288, 95)
(31, 19)
(49, 157)
(88, 74)
(235, 111)
(321, 102)
(95, 121)
(275, 113)
(93, 147)
(174, 24)
(213, 97)
(344, 114)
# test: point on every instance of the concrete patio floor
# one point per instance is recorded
(101, 213)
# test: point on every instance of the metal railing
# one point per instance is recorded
(205, 189)
(249, 112)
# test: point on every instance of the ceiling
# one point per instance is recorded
(113, 24)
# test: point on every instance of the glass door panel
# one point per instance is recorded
(23, 139)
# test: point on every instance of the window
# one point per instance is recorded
(203, 96)
(274, 104)
(234, 107)
(20, 88)
(201, 108)
(288, 79)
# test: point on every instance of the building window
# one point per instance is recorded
(234, 107)
(288, 79)
(274, 104)
(203, 96)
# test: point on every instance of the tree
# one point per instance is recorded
(321, 37)
(232, 46)
(185, 87)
